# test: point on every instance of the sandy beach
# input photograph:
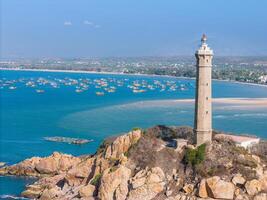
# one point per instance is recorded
(224, 103)
(239, 101)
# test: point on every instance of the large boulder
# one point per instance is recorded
(52, 193)
(56, 163)
(114, 183)
(146, 184)
(253, 187)
(220, 189)
(263, 181)
(48, 165)
(35, 190)
(122, 144)
(87, 191)
(242, 197)
(262, 196)
(239, 180)
(82, 169)
(202, 190)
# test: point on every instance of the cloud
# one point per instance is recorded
(67, 23)
(91, 24)
(86, 22)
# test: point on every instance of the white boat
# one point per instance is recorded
(100, 93)
(78, 90)
(138, 91)
(12, 88)
(39, 91)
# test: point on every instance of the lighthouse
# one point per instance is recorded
(203, 98)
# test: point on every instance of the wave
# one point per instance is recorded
(240, 115)
(220, 116)
(183, 111)
(251, 115)
(7, 196)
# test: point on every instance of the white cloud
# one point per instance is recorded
(67, 23)
(91, 24)
(86, 22)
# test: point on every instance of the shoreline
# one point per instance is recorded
(117, 73)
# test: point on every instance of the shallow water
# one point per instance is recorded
(27, 116)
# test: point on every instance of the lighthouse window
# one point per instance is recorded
(207, 98)
(207, 84)
(207, 60)
(207, 112)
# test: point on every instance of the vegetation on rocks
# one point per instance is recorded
(95, 181)
(195, 156)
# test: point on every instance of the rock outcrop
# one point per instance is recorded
(219, 189)
(122, 144)
(114, 183)
(36, 166)
(145, 166)
(146, 184)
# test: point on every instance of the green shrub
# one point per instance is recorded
(101, 148)
(127, 153)
(113, 169)
(96, 180)
(190, 156)
(200, 154)
(195, 156)
(136, 128)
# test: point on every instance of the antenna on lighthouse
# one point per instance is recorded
(204, 39)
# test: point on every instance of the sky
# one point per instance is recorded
(130, 28)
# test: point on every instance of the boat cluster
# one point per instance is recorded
(100, 86)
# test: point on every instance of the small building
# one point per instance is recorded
(243, 141)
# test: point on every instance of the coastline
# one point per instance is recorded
(117, 73)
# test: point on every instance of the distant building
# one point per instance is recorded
(203, 99)
(263, 79)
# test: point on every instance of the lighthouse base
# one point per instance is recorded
(203, 136)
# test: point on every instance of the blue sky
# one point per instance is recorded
(103, 28)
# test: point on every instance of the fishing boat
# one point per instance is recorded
(100, 93)
(78, 90)
(138, 91)
(12, 88)
(39, 91)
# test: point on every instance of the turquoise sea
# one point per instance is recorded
(34, 105)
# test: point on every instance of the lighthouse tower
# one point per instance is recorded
(203, 109)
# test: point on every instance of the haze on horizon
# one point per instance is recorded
(104, 28)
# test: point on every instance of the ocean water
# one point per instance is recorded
(27, 116)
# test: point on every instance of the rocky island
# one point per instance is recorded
(67, 140)
(157, 163)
